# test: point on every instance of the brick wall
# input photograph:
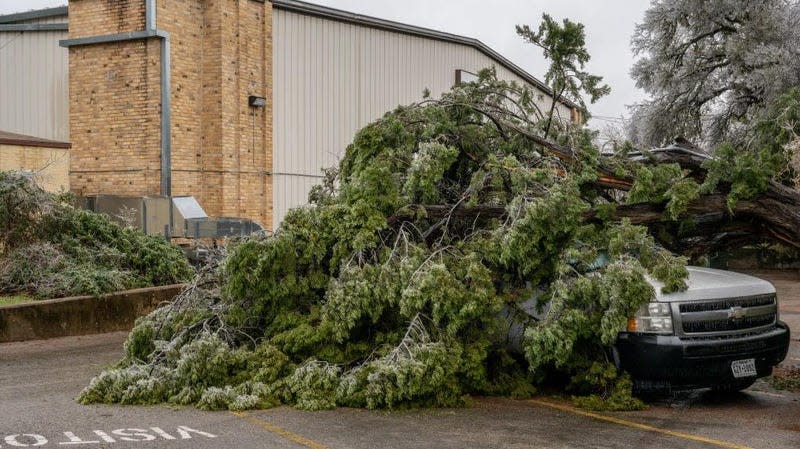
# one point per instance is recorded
(184, 20)
(221, 52)
(50, 165)
(221, 148)
(246, 62)
(114, 99)
(97, 17)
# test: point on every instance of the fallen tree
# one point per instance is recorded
(443, 217)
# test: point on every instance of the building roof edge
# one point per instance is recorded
(35, 14)
(9, 138)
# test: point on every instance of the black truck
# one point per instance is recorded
(723, 332)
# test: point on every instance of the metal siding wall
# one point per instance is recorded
(332, 78)
(51, 19)
(34, 98)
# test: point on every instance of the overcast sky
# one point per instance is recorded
(609, 25)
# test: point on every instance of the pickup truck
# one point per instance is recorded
(722, 332)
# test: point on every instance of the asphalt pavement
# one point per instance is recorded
(40, 379)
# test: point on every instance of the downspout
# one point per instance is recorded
(149, 31)
(150, 14)
(166, 100)
(166, 108)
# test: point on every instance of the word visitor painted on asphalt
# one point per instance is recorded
(99, 436)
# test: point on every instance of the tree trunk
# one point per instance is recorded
(707, 223)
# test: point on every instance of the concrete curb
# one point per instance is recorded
(81, 315)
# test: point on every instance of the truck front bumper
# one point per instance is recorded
(661, 362)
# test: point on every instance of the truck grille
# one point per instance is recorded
(733, 314)
(751, 301)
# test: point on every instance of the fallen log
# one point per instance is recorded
(774, 215)
(707, 223)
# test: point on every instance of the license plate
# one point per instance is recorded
(744, 368)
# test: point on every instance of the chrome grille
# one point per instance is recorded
(751, 301)
(732, 314)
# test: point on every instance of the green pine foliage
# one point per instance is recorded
(667, 184)
(616, 390)
(771, 154)
(747, 172)
(367, 298)
(49, 249)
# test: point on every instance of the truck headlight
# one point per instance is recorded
(652, 318)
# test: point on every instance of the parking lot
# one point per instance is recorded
(39, 380)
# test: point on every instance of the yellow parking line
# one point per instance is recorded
(636, 425)
(280, 431)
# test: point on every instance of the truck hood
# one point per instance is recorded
(708, 283)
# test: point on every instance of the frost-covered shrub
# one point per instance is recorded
(313, 385)
(111, 385)
(417, 371)
(48, 248)
(208, 361)
(243, 397)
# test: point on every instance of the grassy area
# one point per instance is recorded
(15, 299)
(785, 379)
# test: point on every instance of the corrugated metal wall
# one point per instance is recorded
(49, 19)
(34, 98)
(332, 78)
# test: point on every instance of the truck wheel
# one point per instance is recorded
(733, 386)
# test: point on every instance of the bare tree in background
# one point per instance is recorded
(712, 66)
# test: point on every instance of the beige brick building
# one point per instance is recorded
(160, 93)
(219, 55)
(46, 160)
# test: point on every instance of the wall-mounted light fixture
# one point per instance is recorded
(256, 102)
